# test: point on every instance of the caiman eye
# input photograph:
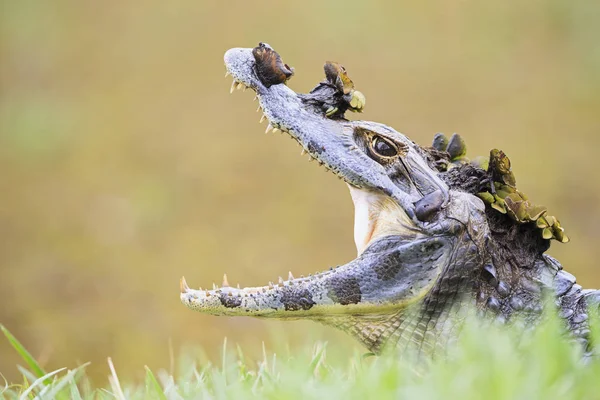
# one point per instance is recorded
(384, 147)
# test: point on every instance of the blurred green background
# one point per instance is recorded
(125, 163)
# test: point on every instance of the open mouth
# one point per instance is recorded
(265, 73)
(422, 232)
(390, 185)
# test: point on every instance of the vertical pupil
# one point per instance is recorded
(384, 148)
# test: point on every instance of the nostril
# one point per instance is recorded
(426, 207)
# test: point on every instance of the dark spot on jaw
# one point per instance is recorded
(295, 299)
(388, 268)
(230, 301)
(345, 290)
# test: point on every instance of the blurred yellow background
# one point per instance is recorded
(125, 162)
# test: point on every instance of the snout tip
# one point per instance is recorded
(235, 54)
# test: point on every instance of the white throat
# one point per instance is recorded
(377, 215)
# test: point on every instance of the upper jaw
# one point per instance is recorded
(325, 140)
(330, 141)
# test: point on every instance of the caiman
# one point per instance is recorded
(435, 232)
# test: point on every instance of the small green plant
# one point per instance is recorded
(488, 362)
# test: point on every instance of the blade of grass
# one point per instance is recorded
(319, 355)
(40, 381)
(116, 386)
(154, 383)
(37, 370)
(80, 384)
(224, 358)
(5, 384)
(64, 381)
(28, 376)
(74, 390)
(103, 391)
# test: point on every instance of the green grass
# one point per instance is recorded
(488, 362)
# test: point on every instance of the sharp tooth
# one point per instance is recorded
(271, 285)
(240, 86)
(290, 276)
(303, 152)
(233, 85)
(226, 74)
(238, 286)
(259, 108)
(269, 127)
(262, 118)
(276, 130)
(214, 286)
(183, 286)
(280, 281)
(255, 98)
(225, 282)
(244, 88)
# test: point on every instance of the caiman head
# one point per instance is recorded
(422, 240)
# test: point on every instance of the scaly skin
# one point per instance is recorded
(427, 244)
